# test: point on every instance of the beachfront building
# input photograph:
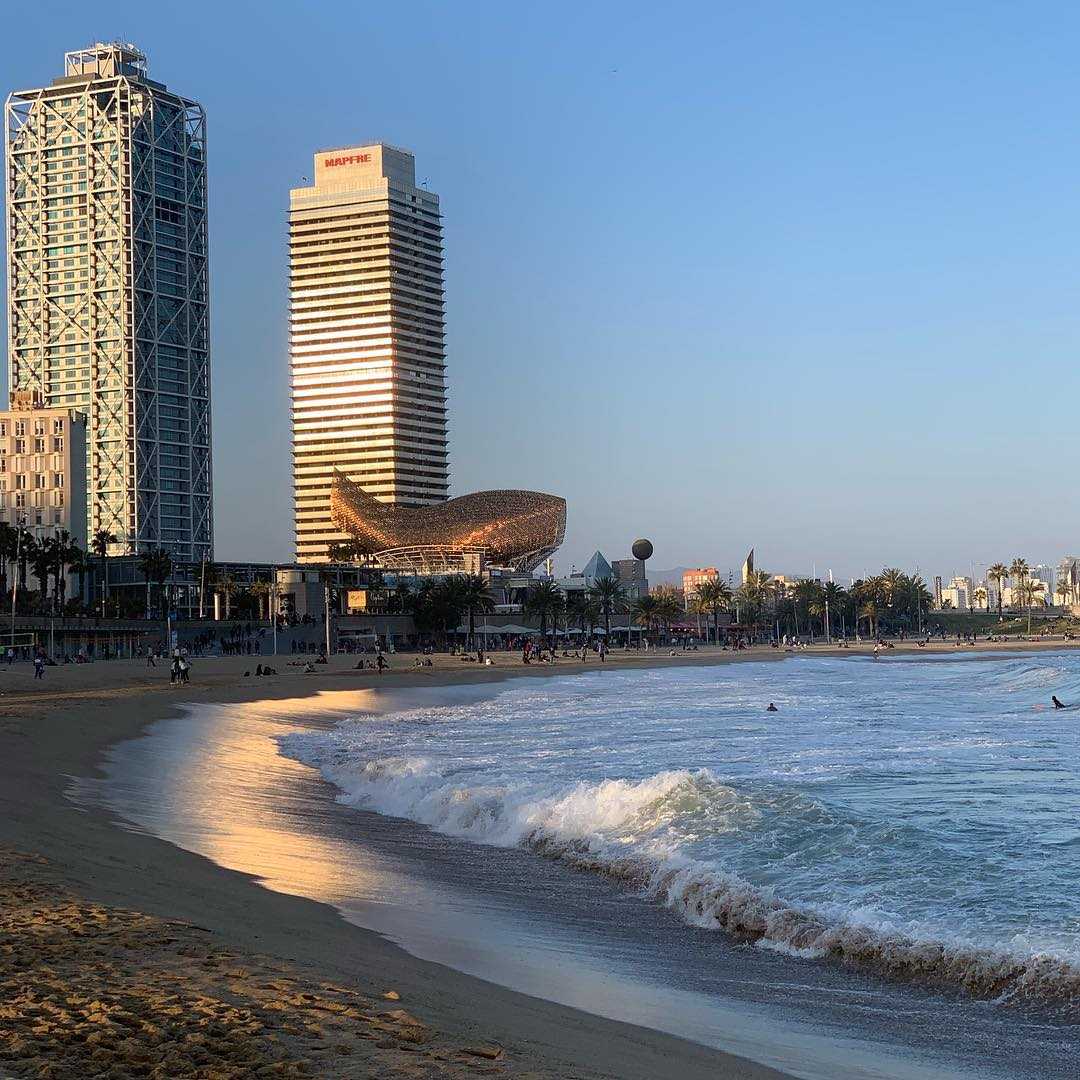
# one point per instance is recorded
(43, 469)
(578, 583)
(366, 338)
(693, 579)
(107, 288)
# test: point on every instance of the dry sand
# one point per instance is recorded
(124, 956)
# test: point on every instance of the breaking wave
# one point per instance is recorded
(633, 832)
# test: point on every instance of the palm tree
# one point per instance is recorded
(261, 589)
(645, 611)
(81, 564)
(155, 565)
(835, 598)
(542, 599)
(754, 592)
(998, 572)
(103, 538)
(714, 594)
(1019, 570)
(40, 558)
(668, 607)
(869, 612)
(609, 594)
(9, 545)
(980, 596)
(228, 585)
(64, 550)
(475, 597)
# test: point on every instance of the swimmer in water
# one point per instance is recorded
(772, 708)
(1058, 704)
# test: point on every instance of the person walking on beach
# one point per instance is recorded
(380, 663)
(39, 666)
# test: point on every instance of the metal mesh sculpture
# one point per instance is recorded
(517, 529)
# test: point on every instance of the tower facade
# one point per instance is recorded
(108, 292)
(366, 338)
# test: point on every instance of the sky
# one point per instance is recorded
(802, 277)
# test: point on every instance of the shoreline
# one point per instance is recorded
(103, 878)
(51, 732)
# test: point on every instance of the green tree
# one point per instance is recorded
(610, 595)
(998, 573)
(103, 540)
(261, 590)
(714, 596)
(543, 600)
(155, 565)
(475, 597)
(645, 612)
(668, 607)
(1018, 571)
(9, 543)
(82, 564)
(869, 611)
(40, 558)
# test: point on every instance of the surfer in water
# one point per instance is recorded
(1058, 704)
(772, 708)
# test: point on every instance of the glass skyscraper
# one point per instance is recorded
(107, 288)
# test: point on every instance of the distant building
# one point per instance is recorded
(43, 468)
(1046, 575)
(959, 594)
(630, 574)
(693, 579)
(1012, 597)
(1068, 571)
(581, 582)
(597, 567)
(748, 567)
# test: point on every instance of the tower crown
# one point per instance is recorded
(106, 60)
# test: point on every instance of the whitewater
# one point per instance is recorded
(917, 818)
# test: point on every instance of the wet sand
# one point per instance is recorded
(122, 955)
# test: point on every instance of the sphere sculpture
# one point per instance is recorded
(642, 549)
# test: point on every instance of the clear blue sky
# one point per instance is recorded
(799, 276)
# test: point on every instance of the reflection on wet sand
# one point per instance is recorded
(221, 795)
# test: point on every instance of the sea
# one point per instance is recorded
(880, 878)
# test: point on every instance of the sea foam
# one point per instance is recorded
(632, 831)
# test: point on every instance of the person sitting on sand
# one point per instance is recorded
(772, 708)
(258, 669)
(1058, 704)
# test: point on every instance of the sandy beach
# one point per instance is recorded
(122, 955)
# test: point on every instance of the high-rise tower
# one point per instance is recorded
(107, 288)
(367, 338)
